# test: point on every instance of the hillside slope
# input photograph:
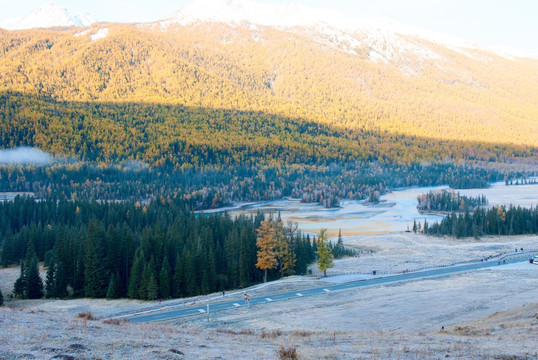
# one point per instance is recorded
(352, 84)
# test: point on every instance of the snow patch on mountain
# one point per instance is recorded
(47, 16)
(100, 34)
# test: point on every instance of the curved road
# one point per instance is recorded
(202, 309)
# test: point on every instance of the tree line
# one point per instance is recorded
(498, 220)
(213, 188)
(448, 201)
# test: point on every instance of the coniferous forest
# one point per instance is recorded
(212, 188)
(499, 220)
(468, 216)
(121, 249)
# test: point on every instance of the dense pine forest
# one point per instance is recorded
(469, 216)
(447, 201)
(499, 220)
(158, 250)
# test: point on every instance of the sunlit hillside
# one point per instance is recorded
(355, 85)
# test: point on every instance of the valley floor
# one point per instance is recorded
(486, 314)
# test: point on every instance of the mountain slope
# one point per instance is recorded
(48, 16)
(379, 81)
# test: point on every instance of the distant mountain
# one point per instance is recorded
(48, 16)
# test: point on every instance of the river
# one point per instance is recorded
(395, 212)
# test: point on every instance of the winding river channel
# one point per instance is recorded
(395, 212)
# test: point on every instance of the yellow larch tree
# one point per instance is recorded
(266, 243)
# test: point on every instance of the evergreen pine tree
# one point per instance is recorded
(18, 286)
(164, 279)
(91, 283)
(152, 288)
(204, 285)
(110, 294)
(189, 275)
(135, 278)
(177, 278)
(244, 273)
(60, 280)
(212, 271)
(339, 249)
(50, 285)
(34, 287)
(114, 287)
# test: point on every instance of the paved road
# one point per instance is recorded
(202, 309)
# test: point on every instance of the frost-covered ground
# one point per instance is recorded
(489, 313)
(393, 253)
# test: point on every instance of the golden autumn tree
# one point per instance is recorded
(285, 256)
(266, 243)
(325, 255)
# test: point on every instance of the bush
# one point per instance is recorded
(86, 316)
(114, 321)
(288, 353)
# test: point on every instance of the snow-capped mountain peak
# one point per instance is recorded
(47, 16)
(294, 15)
(237, 11)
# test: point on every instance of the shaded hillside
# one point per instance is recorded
(177, 136)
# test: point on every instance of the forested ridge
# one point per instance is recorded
(175, 136)
(208, 68)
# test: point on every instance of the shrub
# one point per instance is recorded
(288, 352)
(86, 316)
(115, 321)
(271, 334)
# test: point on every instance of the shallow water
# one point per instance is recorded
(395, 212)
